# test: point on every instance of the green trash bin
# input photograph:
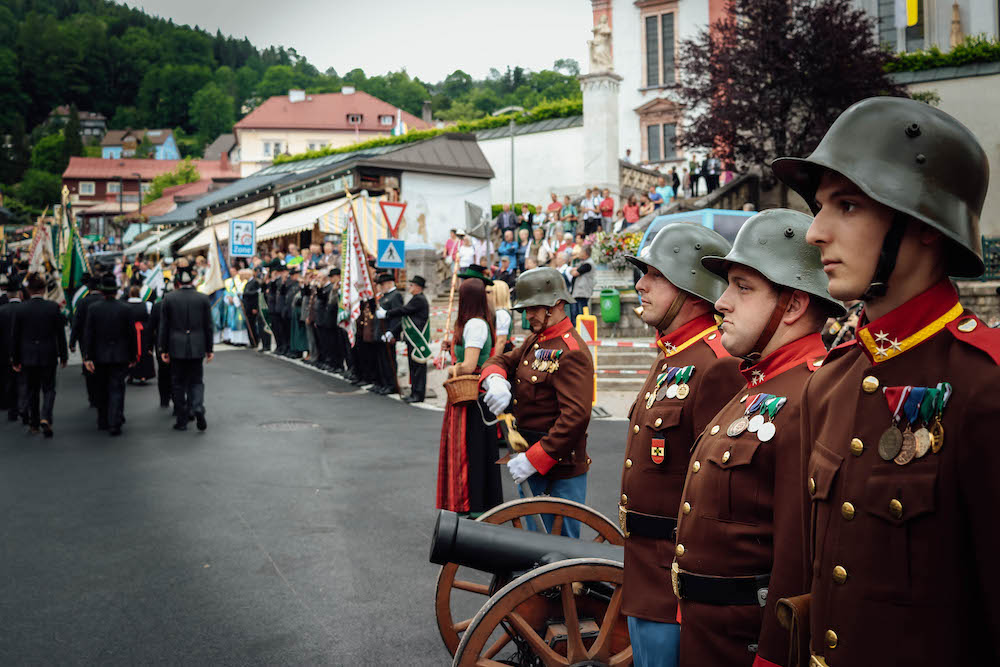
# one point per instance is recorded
(524, 321)
(611, 306)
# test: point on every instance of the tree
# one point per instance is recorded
(39, 188)
(49, 154)
(211, 113)
(145, 149)
(277, 80)
(770, 78)
(568, 66)
(73, 145)
(185, 172)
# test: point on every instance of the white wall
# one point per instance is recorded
(974, 101)
(441, 202)
(544, 162)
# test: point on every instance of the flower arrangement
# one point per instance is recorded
(610, 249)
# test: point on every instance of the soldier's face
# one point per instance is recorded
(746, 307)
(848, 230)
(656, 293)
(537, 318)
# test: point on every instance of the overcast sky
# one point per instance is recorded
(430, 39)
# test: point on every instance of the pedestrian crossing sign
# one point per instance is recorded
(391, 254)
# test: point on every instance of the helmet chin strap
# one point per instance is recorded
(671, 314)
(784, 298)
(545, 322)
(886, 259)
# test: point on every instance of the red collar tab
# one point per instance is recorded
(910, 324)
(685, 332)
(803, 350)
(556, 330)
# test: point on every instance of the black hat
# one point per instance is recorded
(293, 271)
(476, 271)
(108, 284)
(334, 272)
(185, 276)
(418, 281)
(385, 278)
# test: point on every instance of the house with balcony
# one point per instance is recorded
(117, 144)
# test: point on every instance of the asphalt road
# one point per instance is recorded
(258, 542)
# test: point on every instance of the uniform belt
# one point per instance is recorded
(817, 661)
(637, 524)
(723, 591)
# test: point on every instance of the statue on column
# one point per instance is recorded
(600, 47)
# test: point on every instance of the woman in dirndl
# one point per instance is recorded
(468, 476)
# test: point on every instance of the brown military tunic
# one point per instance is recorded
(652, 479)
(904, 557)
(742, 517)
(554, 402)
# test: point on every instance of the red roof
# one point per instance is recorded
(328, 111)
(96, 168)
(165, 203)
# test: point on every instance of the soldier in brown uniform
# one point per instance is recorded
(553, 375)
(740, 515)
(899, 426)
(677, 295)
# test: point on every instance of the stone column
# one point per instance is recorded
(600, 130)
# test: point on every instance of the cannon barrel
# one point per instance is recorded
(501, 549)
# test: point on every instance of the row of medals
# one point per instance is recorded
(765, 430)
(545, 365)
(901, 447)
(677, 390)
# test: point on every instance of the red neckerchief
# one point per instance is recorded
(784, 358)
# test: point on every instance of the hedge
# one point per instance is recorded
(975, 49)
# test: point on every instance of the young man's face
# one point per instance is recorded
(746, 307)
(848, 230)
(656, 293)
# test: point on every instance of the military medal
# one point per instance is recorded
(737, 427)
(683, 375)
(937, 429)
(661, 393)
(656, 450)
(891, 442)
(771, 406)
(672, 391)
(766, 431)
(937, 436)
(923, 441)
(649, 400)
(753, 404)
(907, 450)
(683, 390)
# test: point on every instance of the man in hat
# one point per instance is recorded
(185, 342)
(109, 348)
(80, 325)
(414, 317)
(38, 343)
(280, 318)
(740, 530)
(476, 271)
(692, 377)
(899, 426)
(549, 382)
(164, 383)
(339, 352)
(8, 378)
(251, 305)
(4, 285)
(389, 331)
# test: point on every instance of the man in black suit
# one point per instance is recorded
(109, 348)
(79, 325)
(280, 315)
(389, 331)
(38, 343)
(9, 298)
(185, 341)
(418, 311)
(4, 285)
(164, 384)
(251, 304)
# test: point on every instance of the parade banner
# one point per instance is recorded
(356, 281)
(419, 340)
(154, 284)
(218, 271)
(265, 312)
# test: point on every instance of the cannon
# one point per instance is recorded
(552, 600)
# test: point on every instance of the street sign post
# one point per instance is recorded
(391, 254)
(242, 238)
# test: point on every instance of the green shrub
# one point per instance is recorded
(516, 208)
(975, 49)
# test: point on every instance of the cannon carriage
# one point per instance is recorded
(542, 598)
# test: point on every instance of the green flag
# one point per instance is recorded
(419, 339)
(265, 314)
(73, 264)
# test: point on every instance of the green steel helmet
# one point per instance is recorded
(911, 157)
(773, 243)
(676, 251)
(543, 286)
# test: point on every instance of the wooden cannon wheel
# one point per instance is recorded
(562, 614)
(515, 513)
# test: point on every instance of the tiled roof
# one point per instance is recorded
(222, 144)
(190, 211)
(167, 202)
(941, 73)
(101, 169)
(531, 128)
(328, 111)
(116, 137)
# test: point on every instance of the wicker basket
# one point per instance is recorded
(462, 389)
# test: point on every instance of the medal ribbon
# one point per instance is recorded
(684, 374)
(912, 406)
(773, 404)
(929, 404)
(660, 379)
(671, 373)
(896, 396)
(756, 402)
(945, 393)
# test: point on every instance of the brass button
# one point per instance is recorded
(847, 511)
(534, 378)
(588, 460)
(812, 485)
(566, 335)
(624, 499)
(968, 325)
(635, 429)
(515, 401)
(696, 466)
(525, 362)
(839, 574)
(831, 638)
(713, 336)
(536, 346)
(818, 363)
(628, 463)
(679, 550)
(657, 422)
(646, 396)
(715, 429)
(870, 384)
(745, 397)
(686, 508)
(896, 509)
(857, 447)
(725, 457)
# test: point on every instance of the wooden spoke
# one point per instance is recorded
(557, 525)
(486, 662)
(516, 522)
(472, 587)
(497, 645)
(538, 645)
(575, 651)
(601, 648)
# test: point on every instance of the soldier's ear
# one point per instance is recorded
(797, 307)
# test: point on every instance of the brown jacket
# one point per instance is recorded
(655, 488)
(556, 403)
(741, 516)
(904, 556)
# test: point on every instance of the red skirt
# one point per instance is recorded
(453, 465)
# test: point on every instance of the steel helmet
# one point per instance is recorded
(773, 243)
(543, 286)
(911, 157)
(676, 251)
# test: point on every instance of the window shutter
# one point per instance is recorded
(667, 35)
(653, 142)
(652, 53)
(669, 141)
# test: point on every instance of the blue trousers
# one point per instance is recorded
(654, 644)
(574, 488)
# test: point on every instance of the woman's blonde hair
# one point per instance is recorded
(501, 295)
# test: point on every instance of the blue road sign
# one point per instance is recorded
(391, 254)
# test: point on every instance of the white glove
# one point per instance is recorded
(387, 337)
(380, 313)
(520, 468)
(497, 396)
